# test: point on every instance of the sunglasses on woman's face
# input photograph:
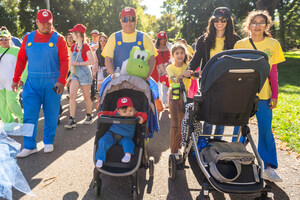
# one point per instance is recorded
(102, 40)
(4, 39)
(254, 24)
(217, 20)
(128, 19)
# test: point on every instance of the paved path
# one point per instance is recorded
(67, 172)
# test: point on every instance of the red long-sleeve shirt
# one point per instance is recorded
(63, 56)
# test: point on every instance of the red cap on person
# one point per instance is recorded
(79, 28)
(128, 11)
(124, 101)
(161, 35)
(44, 16)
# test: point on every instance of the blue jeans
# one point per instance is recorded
(107, 141)
(266, 142)
(207, 130)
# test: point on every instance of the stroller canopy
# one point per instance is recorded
(234, 59)
(131, 83)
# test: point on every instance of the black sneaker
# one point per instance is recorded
(88, 120)
(71, 123)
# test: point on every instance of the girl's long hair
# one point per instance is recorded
(210, 35)
(177, 46)
(251, 15)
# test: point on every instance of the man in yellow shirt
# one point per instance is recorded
(120, 43)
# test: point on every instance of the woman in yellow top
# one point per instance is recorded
(176, 106)
(257, 25)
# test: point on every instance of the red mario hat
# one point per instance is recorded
(128, 11)
(44, 16)
(161, 35)
(164, 80)
(79, 28)
(124, 101)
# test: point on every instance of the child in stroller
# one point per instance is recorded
(125, 108)
(140, 94)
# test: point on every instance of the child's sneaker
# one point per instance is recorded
(270, 175)
(99, 163)
(71, 123)
(126, 158)
(88, 119)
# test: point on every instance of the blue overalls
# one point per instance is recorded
(122, 49)
(43, 73)
(106, 141)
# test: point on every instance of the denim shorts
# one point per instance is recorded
(83, 74)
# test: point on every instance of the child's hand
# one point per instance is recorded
(180, 77)
(187, 73)
(141, 120)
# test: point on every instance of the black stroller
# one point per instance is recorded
(229, 83)
(139, 91)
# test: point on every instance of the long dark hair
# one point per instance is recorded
(210, 35)
(157, 44)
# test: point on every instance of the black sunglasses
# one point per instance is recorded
(217, 20)
(128, 19)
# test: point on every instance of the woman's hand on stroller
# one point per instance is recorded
(141, 120)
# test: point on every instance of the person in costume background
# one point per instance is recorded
(257, 25)
(48, 64)
(120, 43)
(9, 100)
(81, 77)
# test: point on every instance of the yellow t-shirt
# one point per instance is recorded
(273, 49)
(219, 46)
(172, 70)
(111, 43)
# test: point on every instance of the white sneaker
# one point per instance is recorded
(48, 148)
(270, 175)
(99, 163)
(26, 152)
(126, 158)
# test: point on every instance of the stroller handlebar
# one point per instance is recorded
(118, 119)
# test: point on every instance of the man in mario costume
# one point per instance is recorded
(48, 64)
(120, 43)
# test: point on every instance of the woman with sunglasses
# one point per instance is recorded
(257, 25)
(81, 77)
(9, 100)
(219, 36)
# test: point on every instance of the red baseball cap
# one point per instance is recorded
(124, 101)
(164, 79)
(161, 35)
(79, 28)
(44, 16)
(128, 11)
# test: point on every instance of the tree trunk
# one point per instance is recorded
(282, 31)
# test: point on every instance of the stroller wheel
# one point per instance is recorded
(204, 195)
(151, 166)
(97, 187)
(135, 185)
(172, 167)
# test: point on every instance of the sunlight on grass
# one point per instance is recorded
(286, 117)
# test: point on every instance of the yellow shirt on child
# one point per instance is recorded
(172, 70)
(273, 50)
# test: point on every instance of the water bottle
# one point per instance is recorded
(117, 72)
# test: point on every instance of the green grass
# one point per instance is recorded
(286, 117)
